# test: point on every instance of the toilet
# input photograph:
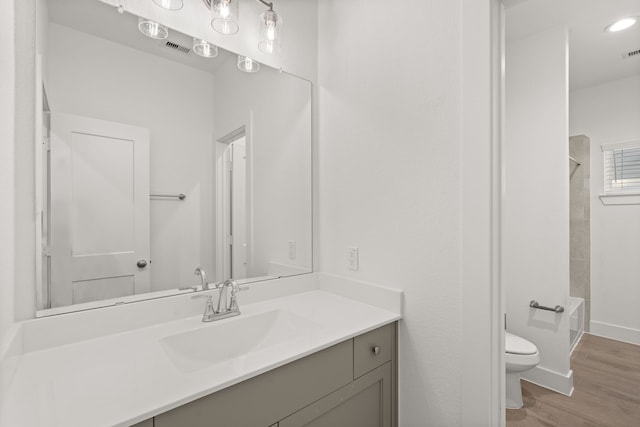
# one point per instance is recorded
(520, 355)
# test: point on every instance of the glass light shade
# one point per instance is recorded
(204, 48)
(152, 29)
(169, 4)
(621, 24)
(247, 64)
(225, 16)
(270, 32)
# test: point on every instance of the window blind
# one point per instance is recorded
(622, 168)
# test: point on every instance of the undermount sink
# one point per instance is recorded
(229, 339)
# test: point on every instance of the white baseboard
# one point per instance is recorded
(550, 379)
(615, 332)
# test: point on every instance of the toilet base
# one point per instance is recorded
(514, 391)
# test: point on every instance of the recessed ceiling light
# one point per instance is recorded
(621, 24)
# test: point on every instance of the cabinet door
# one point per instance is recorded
(366, 402)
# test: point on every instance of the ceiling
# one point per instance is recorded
(595, 56)
(101, 20)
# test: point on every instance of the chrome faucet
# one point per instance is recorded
(229, 309)
(203, 278)
(232, 305)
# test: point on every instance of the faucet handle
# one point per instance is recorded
(235, 288)
(209, 312)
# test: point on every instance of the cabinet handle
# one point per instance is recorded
(375, 350)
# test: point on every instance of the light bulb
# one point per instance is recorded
(153, 29)
(224, 10)
(271, 30)
(225, 16)
(270, 27)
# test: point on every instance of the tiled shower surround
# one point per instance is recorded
(580, 220)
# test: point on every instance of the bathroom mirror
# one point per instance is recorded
(159, 161)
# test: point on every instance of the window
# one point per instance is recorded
(622, 168)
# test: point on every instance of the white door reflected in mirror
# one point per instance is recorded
(99, 193)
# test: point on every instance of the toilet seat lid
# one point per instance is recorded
(516, 345)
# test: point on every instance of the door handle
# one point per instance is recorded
(141, 263)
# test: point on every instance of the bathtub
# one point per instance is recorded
(576, 321)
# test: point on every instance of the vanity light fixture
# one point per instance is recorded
(169, 4)
(247, 64)
(204, 48)
(621, 24)
(270, 29)
(225, 21)
(152, 29)
(224, 16)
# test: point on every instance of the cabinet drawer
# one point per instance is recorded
(373, 349)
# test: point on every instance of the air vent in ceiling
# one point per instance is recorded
(631, 54)
(175, 46)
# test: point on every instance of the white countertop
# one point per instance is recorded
(126, 377)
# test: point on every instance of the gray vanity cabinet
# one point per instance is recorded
(351, 384)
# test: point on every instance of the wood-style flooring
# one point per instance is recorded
(606, 381)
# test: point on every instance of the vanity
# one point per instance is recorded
(348, 384)
(312, 350)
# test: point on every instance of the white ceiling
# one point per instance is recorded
(101, 20)
(595, 56)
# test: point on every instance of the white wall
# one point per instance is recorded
(390, 179)
(24, 208)
(279, 157)
(96, 78)
(536, 199)
(7, 98)
(42, 33)
(483, 371)
(610, 113)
